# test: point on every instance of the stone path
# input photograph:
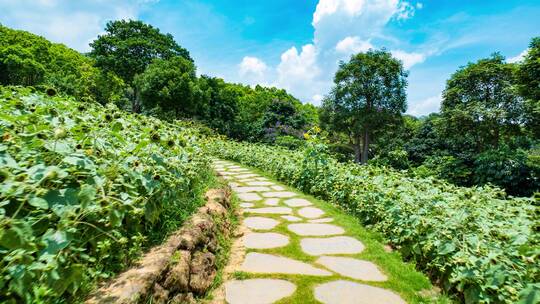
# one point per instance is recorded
(274, 218)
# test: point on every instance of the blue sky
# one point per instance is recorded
(297, 45)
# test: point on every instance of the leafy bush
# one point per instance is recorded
(83, 189)
(474, 241)
(507, 168)
(289, 141)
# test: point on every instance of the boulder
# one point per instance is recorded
(177, 279)
(203, 271)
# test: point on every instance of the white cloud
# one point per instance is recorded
(316, 99)
(424, 107)
(73, 23)
(408, 59)
(518, 57)
(350, 45)
(252, 66)
(298, 69)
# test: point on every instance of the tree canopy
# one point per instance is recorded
(369, 91)
(128, 47)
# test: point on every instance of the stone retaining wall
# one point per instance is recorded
(179, 269)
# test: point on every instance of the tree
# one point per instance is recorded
(170, 84)
(528, 78)
(128, 47)
(369, 91)
(481, 104)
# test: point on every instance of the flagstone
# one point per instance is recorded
(278, 188)
(353, 268)
(297, 202)
(270, 210)
(309, 229)
(249, 197)
(246, 175)
(259, 222)
(310, 212)
(250, 189)
(271, 202)
(291, 218)
(322, 220)
(266, 240)
(257, 291)
(279, 194)
(266, 263)
(260, 183)
(246, 205)
(332, 245)
(346, 292)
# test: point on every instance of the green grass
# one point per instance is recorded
(403, 278)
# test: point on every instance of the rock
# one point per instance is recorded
(310, 212)
(203, 272)
(279, 194)
(269, 210)
(215, 209)
(160, 295)
(332, 245)
(322, 220)
(268, 263)
(212, 245)
(249, 197)
(219, 196)
(177, 279)
(346, 292)
(266, 240)
(262, 223)
(183, 298)
(257, 291)
(315, 229)
(291, 218)
(297, 202)
(353, 268)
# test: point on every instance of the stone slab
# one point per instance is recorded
(310, 212)
(257, 291)
(270, 210)
(346, 292)
(271, 202)
(249, 197)
(353, 268)
(332, 245)
(267, 240)
(310, 229)
(250, 175)
(261, 223)
(250, 189)
(246, 205)
(278, 188)
(260, 183)
(291, 218)
(322, 220)
(297, 202)
(267, 263)
(278, 194)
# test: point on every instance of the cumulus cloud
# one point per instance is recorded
(252, 66)
(351, 45)
(296, 70)
(74, 23)
(424, 107)
(518, 57)
(408, 59)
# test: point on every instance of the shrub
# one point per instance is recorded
(84, 188)
(475, 241)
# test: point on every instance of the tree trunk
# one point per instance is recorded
(357, 152)
(365, 146)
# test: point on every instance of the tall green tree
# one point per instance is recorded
(480, 103)
(172, 85)
(528, 78)
(369, 91)
(128, 47)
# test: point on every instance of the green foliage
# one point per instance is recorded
(528, 79)
(30, 60)
(128, 47)
(83, 189)
(480, 103)
(369, 91)
(171, 85)
(508, 168)
(474, 241)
